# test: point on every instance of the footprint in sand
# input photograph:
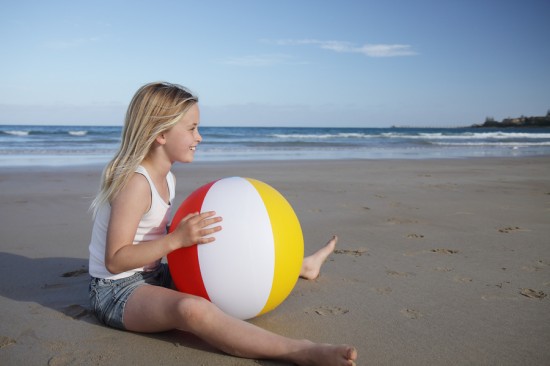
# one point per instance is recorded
(397, 220)
(531, 268)
(6, 341)
(461, 279)
(537, 266)
(75, 273)
(443, 269)
(383, 290)
(411, 313)
(351, 252)
(532, 294)
(501, 284)
(331, 310)
(62, 360)
(510, 229)
(397, 274)
(444, 251)
(415, 236)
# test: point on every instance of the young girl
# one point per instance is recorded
(130, 288)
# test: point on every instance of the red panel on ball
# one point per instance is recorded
(184, 262)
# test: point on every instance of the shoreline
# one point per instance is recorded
(439, 261)
(260, 162)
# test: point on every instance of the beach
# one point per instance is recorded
(439, 261)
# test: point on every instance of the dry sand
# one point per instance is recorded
(439, 262)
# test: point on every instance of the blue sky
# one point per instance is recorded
(278, 63)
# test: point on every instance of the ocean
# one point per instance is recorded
(79, 145)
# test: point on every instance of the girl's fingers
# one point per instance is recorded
(200, 225)
(204, 240)
(203, 220)
(211, 230)
(195, 218)
(189, 217)
(207, 214)
(208, 222)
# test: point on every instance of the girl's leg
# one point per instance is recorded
(311, 265)
(154, 309)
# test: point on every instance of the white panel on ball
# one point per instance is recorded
(246, 237)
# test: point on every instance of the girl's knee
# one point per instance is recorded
(195, 311)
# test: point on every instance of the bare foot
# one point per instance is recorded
(326, 354)
(311, 265)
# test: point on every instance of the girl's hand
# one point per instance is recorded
(194, 229)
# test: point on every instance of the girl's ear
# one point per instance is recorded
(161, 139)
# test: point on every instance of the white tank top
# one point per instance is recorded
(152, 226)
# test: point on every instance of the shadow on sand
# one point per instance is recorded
(61, 284)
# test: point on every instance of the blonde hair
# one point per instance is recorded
(154, 109)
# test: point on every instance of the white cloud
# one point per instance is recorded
(337, 46)
(369, 50)
(386, 50)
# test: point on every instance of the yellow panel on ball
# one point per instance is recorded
(289, 243)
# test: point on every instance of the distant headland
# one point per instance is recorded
(541, 121)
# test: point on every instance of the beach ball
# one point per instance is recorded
(256, 259)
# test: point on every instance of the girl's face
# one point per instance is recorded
(183, 138)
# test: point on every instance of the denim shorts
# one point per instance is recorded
(108, 297)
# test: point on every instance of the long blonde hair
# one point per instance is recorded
(154, 109)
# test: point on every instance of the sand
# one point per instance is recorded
(439, 262)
